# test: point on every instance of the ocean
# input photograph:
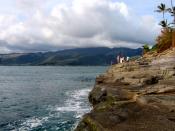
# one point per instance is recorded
(44, 98)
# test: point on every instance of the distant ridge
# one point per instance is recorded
(78, 56)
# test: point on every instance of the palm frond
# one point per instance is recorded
(164, 23)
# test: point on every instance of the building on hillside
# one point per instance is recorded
(127, 58)
(121, 59)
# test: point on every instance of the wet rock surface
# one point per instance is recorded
(134, 97)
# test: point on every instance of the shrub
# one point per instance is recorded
(164, 41)
(146, 48)
(154, 48)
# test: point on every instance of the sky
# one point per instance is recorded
(50, 25)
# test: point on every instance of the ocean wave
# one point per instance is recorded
(77, 102)
(31, 123)
(76, 105)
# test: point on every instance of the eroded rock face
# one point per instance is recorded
(134, 97)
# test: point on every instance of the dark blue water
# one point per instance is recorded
(44, 98)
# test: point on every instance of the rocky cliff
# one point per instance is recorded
(134, 96)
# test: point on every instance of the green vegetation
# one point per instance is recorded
(73, 57)
(166, 39)
(162, 9)
(91, 124)
(154, 48)
(171, 11)
(146, 48)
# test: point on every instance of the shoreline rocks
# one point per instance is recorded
(134, 97)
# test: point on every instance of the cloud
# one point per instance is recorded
(77, 24)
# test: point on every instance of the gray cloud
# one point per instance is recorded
(80, 24)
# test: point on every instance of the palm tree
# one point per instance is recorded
(168, 26)
(173, 14)
(162, 9)
(172, 3)
(172, 11)
(164, 24)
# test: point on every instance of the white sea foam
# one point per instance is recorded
(77, 102)
(32, 123)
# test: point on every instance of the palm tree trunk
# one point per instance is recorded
(173, 10)
(172, 3)
(173, 37)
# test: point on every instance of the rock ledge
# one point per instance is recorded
(134, 97)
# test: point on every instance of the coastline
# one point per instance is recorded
(134, 96)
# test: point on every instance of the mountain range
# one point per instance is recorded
(78, 56)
